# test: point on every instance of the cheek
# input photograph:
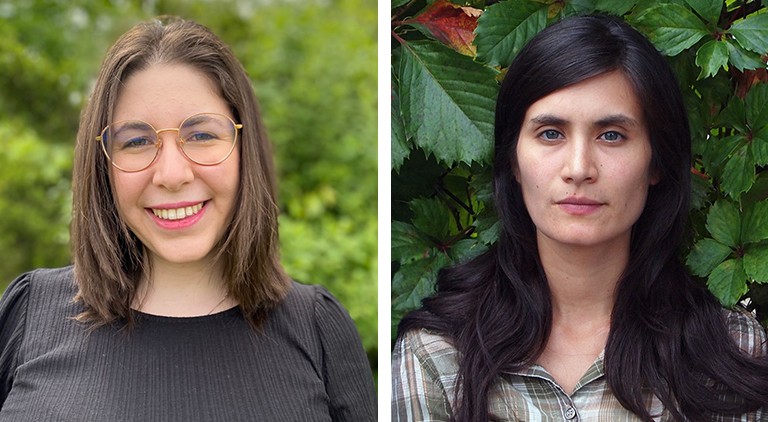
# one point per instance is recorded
(531, 173)
(126, 191)
(533, 166)
(225, 180)
(531, 180)
(232, 172)
(635, 182)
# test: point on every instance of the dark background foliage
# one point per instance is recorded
(313, 66)
(447, 61)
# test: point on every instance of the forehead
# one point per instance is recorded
(590, 100)
(165, 94)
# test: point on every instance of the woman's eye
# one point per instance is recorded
(612, 136)
(201, 137)
(550, 135)
(137, 142)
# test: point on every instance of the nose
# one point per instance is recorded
(579, 166)
(172, 169)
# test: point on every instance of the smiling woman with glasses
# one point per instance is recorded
(177, 307)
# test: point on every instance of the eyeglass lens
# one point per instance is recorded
(204, 138)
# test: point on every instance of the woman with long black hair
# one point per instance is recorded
(582, 310)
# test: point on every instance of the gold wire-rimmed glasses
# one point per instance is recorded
(204, 138)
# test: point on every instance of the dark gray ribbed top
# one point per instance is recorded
(306, 365)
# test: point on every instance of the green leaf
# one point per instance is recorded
(488, 226)
(734, 115)
(415, 281)
(724, 223)
(698, 119)
(760, 146)
(739, 172)
(431, 217)
(718, 151)
(754, 226)
(482, 183)
(706, 255)
(752, 33)
(756, 104)
(466, 249)
(671, 27)
(407, 243)
(401, 148)
(615, 7)
(707, 9)
(755, 259)
(742, 59)
(711, 57)
(758, 191)
(504, 28)
(700, 188)
(728, 282)
(447, 102)
(398, 3)
(578, 7)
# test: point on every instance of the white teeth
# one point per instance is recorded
(177, 213)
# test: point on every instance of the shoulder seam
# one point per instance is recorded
(423, 356)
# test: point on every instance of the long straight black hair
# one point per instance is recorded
(668, 334)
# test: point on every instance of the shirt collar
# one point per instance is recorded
(594, 372)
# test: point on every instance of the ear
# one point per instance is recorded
(655, 177)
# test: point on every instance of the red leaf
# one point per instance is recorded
(452, 25)
(749, 78)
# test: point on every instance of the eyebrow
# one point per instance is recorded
(133, 124)
(197, 119)
(548, 119)
(129, 125)
(609, 120)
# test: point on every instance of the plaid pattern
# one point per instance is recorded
(424, 368)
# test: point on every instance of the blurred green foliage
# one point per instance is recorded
(314, 69)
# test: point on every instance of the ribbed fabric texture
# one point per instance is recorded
(307, 365)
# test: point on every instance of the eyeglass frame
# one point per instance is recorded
(179, 142)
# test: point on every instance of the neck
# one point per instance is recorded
(182, 290)
(583, 279)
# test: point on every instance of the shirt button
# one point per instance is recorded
(570, 413)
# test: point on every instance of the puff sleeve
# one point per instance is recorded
(13, 310)
(347, 373)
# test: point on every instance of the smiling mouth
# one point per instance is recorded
(177, 213)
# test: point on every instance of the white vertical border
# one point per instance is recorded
(385, 212)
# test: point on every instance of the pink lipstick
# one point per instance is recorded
(177, 216)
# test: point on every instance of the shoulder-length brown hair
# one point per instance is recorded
(109, 259)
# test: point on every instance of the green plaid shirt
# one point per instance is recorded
(424, 368)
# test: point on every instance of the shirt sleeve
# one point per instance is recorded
(750, 337)
(418, 393)
(13, 309)
(348, 378)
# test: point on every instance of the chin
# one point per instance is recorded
(578, 238)
(178, 256)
